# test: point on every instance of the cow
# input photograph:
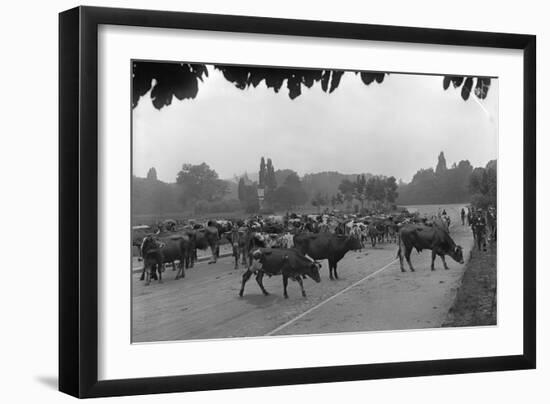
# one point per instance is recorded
(424, 237)
(289, 263)
(204, 238)
(169, 225)
(375, 231)
(238, 244)
(391, 231)
(157, 252)
(253, 241)
(328, 246)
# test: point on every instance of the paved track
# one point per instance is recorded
(371, 294)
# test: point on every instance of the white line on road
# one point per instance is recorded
(329, 299)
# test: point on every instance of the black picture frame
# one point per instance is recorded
(78, 201)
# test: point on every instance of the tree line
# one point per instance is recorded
(459, 184)
(198, 188)
(286, 196)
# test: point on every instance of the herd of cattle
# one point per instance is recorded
(290, 245)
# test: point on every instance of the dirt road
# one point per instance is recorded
(371, 294)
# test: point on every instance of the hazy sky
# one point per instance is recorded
(393, 128)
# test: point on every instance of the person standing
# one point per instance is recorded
(462, 215)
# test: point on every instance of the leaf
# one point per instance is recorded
(324, 80)
(275, 81)
(457, 81)
(379, 77)
(294, 87)
(482, 87)
(367, 78)
(335, 82)
(255, 78)
(467, 88)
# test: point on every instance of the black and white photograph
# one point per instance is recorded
(271, 201)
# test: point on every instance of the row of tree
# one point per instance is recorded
(377, 191)
(285, 196)
(483, 186)
(439, 186)
(199, 188)
(459, 184)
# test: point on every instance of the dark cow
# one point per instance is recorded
(204, 238)
(375, 232)
(423, 237)
(391, 231)
(288, 263)
(239, 240)
(169, 225)
(157, 252)
(328, 246)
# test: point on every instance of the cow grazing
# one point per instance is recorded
(286, 262)
(326, 246)
(423, 237)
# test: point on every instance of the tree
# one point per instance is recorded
(319, 200)
(375, 189)
(290, 194)
(152, 174)
(250, 200)
(262, 174)
(200, 182)
(441, 164)
(483, 185)
(270, 180)
(241, 189)
(347, 188)
(391, 189)
(360, 187)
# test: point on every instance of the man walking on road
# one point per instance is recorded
(462, 215)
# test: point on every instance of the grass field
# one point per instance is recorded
(475, 302)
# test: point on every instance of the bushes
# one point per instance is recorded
(482, 201)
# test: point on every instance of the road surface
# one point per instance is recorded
(372, 294)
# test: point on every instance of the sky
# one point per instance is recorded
(393, 128)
